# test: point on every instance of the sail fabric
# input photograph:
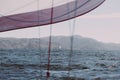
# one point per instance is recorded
(62, 12)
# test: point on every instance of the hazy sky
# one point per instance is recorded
(102, 24)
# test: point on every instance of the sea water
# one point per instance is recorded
(84, 65)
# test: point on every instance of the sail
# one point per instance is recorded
(39, 17)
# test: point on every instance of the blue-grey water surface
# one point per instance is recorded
(85, 65)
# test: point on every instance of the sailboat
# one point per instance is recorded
(19, 14)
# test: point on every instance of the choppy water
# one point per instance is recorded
(85, 65)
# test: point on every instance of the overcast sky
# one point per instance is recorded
(102, 24)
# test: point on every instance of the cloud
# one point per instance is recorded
(103, 16)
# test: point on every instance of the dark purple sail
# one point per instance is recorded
(42, 17)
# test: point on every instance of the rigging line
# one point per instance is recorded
(49, 47)
(39, 33)
(69, 64)
(72, 40)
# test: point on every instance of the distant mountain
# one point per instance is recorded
(58, 42)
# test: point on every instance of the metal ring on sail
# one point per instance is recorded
(60, 13)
